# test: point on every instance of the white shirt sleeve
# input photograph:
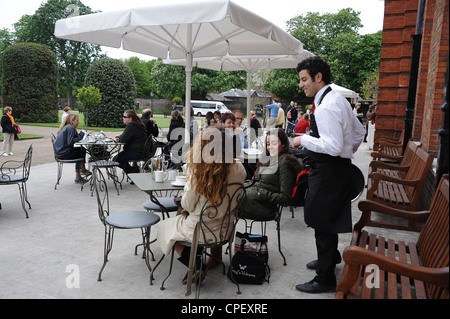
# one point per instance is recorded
(340, 131)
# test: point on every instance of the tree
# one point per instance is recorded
(335, 38)
(141, 73)
(116, 83)
(318, 31)
(284, 84)
(170, 81)
(369, 88)
(89, 97)
(73, 57)
(30, 78)
(6, 39)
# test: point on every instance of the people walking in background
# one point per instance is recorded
(9, 131)
(273, 113)
(370, 119)
(291, 115)
(66, 112)
(281, 118)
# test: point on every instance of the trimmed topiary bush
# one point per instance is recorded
(116, 83)
(30, 81)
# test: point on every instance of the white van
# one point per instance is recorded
(203, 107)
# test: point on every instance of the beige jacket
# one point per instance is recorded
(179, 228)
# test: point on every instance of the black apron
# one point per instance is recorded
(328, 201)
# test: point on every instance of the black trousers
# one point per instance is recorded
(327, 254)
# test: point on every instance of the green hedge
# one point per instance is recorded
(116, 83)
(30, 78)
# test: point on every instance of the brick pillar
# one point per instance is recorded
(400, 19)
(433, 64)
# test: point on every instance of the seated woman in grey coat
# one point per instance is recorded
(274, 179)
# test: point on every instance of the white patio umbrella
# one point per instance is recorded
(248, 63)
(185, 30)
(344, 91)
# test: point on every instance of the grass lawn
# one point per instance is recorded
(161, 121)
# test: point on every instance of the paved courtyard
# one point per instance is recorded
(57, 252)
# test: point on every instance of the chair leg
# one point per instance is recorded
(109, 237)
(24, 197)
(146, 242)
(279, 241)
(58, 173)
(170, 268)
(154, 268)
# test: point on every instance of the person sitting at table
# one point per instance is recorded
(134, 137)
(66, 137)
(151, 126)
(302, 125)
(272, 185)
(228, 121)
(238, 130)
(208, 182)
(174, 135)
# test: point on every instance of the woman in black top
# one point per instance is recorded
(134, 137)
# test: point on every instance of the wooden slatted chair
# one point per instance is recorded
(377, 267)
(403, 193)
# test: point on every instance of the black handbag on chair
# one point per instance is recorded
(249, 264)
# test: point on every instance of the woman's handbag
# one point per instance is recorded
(249, 264)
(18, 130)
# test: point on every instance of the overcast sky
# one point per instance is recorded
(276, 11)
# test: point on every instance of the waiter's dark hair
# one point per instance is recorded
(315, 65)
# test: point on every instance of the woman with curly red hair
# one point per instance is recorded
(212, 174)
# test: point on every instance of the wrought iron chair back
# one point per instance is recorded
(18, 172)
(213, 230)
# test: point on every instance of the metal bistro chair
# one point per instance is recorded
(61, 162)
(17, 172)
(205, 237)
(131, 219)
(101, 158)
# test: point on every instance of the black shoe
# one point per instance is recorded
(314, 287)
(313, 265)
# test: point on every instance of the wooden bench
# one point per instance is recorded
(389, 188)
(379, 159)
(391, 147)
(377, 267)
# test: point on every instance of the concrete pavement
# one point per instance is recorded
(61, 244)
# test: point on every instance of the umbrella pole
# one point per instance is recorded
(249, 102)
(189, 62)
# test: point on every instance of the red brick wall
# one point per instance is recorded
(433, 62)
(399, 25)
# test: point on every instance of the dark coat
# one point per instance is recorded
(134, 137)
(271, 188)
(7, 125)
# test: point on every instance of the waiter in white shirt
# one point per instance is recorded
(335, 134)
